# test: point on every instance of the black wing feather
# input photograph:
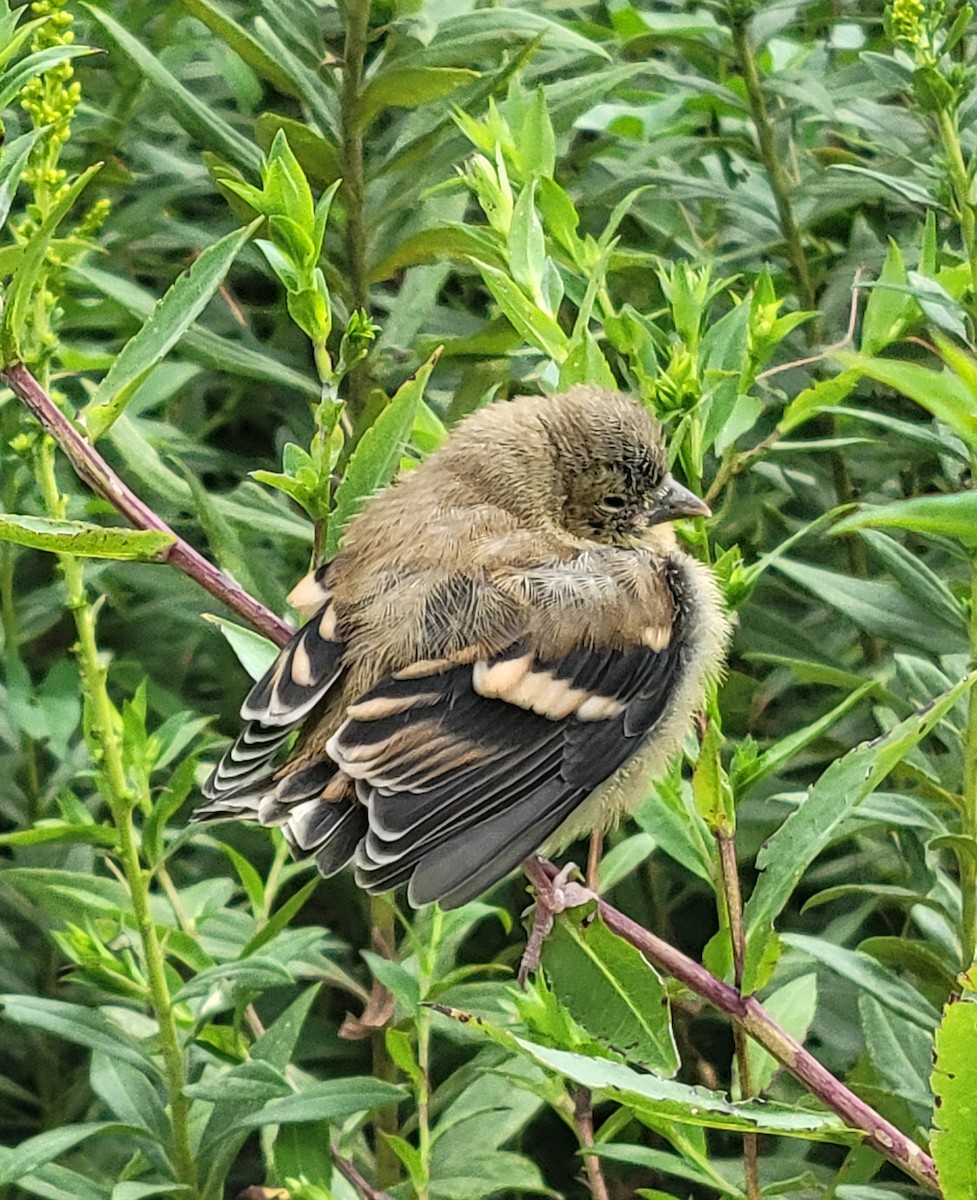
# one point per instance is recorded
(451, 827)
(307, 667)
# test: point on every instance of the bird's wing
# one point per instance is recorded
(468, 767)
(308, 666)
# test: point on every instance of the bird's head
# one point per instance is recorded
(610, 456)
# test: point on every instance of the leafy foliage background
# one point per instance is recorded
(672, 198)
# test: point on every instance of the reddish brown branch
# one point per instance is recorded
(747, 1013)
(93, 470)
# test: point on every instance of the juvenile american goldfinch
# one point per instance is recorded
(509, 645)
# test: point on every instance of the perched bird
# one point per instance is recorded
(508, 646)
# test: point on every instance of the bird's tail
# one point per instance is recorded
(315, 806)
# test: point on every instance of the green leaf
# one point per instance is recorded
(537, 143)
(792, 1007)
(657, 1099)
(86, 1026)
(249, 974)
(478, 1173)
(536, 327)
(12, 163)
(376, 458)
(36, 1151)
(611, 990)
(130, 1095)
(20, 291)
(191, 111)
(200, 345)
(83, 538)
(409, 87)
(36, 64)
(246, 47)
(251, 1081)
(303, 1151)
(942, 393)
(865, 973)
(66, 894)
(953, 516)
(585, 363)
(130, 1190)
(328, 1100)
(281, 918)
(918, 581)
(170, 319)
(887, 311)
(901, 1053)
(818, 398)
(808, 830)
(954, 1083)
(879, 608)
(666, 1163)
(449, 241)
(527, 246)
(277, 1044)
(782, 751)
(54, 832)
(318, 157)
(254, 651)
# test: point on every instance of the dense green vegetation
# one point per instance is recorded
(362, 221)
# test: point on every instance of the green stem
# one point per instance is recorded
(424, 1100)
(960, 179)
(780, 183)
(428, 963)
(384, 938)
(968, 865)
(106, 750)
(732, 900)
(357, 19)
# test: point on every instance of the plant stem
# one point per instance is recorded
(583, 1115)
(733, 898)
(960, 181)
(748, 1013)
(106, 750)
(353, 1177)
(356, 14)
(780, 184)
(384, 938)
(94, 471)
(968, 862)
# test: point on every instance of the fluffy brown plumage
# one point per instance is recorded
(508, 645)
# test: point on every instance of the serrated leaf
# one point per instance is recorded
(954, 1083)
(611, 990)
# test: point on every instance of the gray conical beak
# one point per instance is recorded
(676, 501)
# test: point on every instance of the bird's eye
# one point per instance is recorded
(614, 501)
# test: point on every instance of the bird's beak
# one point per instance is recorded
(676, 501)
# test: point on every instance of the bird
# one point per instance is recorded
(508, 647)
